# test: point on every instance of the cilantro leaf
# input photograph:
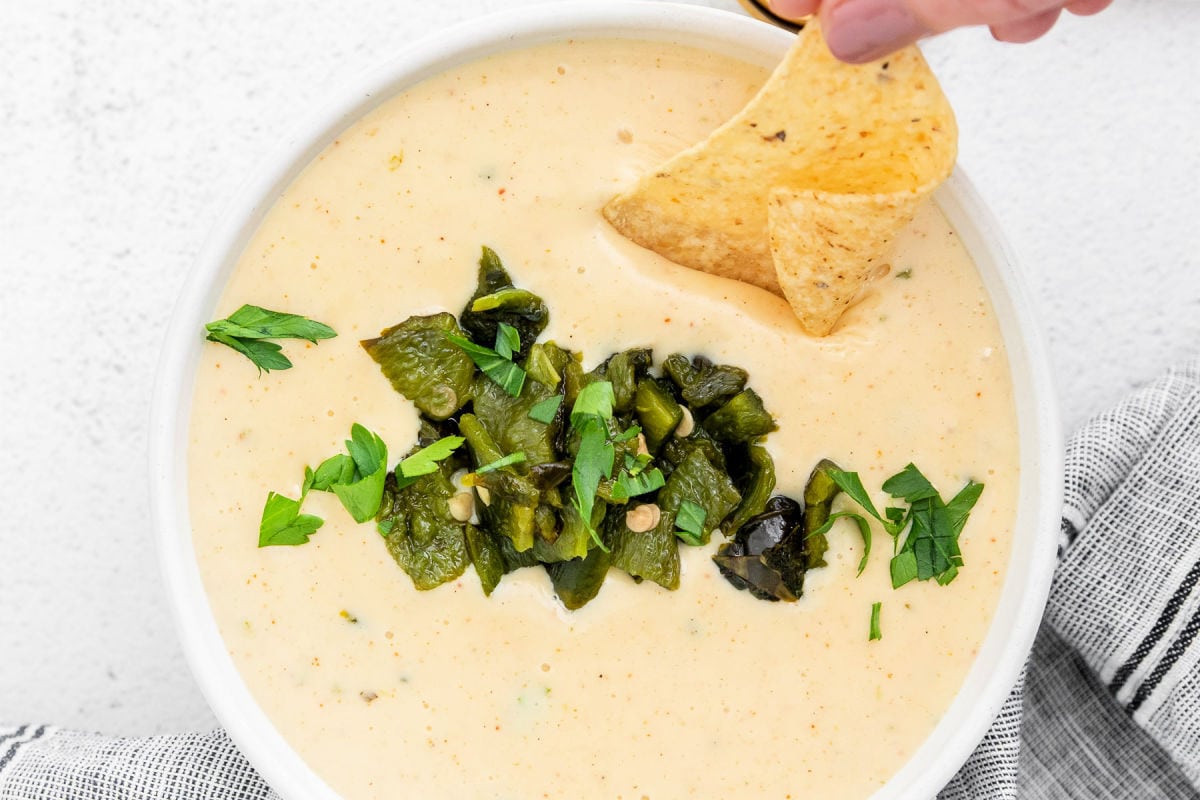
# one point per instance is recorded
(508, 341)
(864, 529)
(283, 524)
(264, 355)
(335, 469)
(635, 465)
(253, 322)
(959, 507)
(630, 484)
(910, 484)
(628, 434)
(544, 411)
(594, 400)
(368, 450)
(503, 371)
(903, 568)
(930, 548)
(362, 495)
(245, 329)
(425, 461)
(689, 520)
(593, 463)
(875, 634)
(508, 460)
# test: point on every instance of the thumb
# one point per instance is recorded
(864, 30)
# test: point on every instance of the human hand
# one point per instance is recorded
(864, 30)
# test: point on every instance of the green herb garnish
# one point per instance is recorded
(497, 363)
(864, 529)
(246, 329)
(875, 634)
(930, 550)
(508, 341)
(508, 460)
(362, 492)
(283, 524)
(425, 461)
(545, 410)
(690, 522)
(633, 484)
(594, 460)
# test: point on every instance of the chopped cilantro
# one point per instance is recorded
(689, 521)
(545, 410)
(508, 460)
(509, 376)
(246, 329)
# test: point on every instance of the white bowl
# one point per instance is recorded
(1012, 630)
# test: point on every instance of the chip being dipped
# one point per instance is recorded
(803, 191)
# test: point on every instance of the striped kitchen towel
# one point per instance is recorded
(1109, 706)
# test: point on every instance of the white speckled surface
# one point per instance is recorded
(125, 125)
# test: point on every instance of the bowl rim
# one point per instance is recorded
(1014, 625)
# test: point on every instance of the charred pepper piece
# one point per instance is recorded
(507, 420)
(624, 370)
(657, 411)
(742, 419)
(767, 555)
(496, 300)
(579, 580)
(701, 382)
(818, 501)
(486, 556)
(421, 534)
(756, 486)
(510, 506)
(425, 366)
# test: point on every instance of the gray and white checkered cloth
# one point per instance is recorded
(1109, 706)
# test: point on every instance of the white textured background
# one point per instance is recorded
(125, 125)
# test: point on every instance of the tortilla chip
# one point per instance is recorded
(805, 185)
(827, 247)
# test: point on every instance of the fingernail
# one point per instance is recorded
(790, 9)
(859, 31)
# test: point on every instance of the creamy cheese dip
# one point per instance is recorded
(703, 692)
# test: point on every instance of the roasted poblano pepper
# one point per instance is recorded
(767, 555)
(496, 300)
(507, 420)
(510, 507)
(756, 484)
(486, 557)
(425, 366)
(698, 480)
(578, 581)
(657, 411)
(702, 383)
(652, 555)
(574, 539)
(741, 419)
(624, 371)
(818, 501)
(421, 535)
(528, 509)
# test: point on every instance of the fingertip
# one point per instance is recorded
(1085, 8)
(1028, 29)
(793, 9)
(860, 31)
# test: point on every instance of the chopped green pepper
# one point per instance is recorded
(425, 366)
